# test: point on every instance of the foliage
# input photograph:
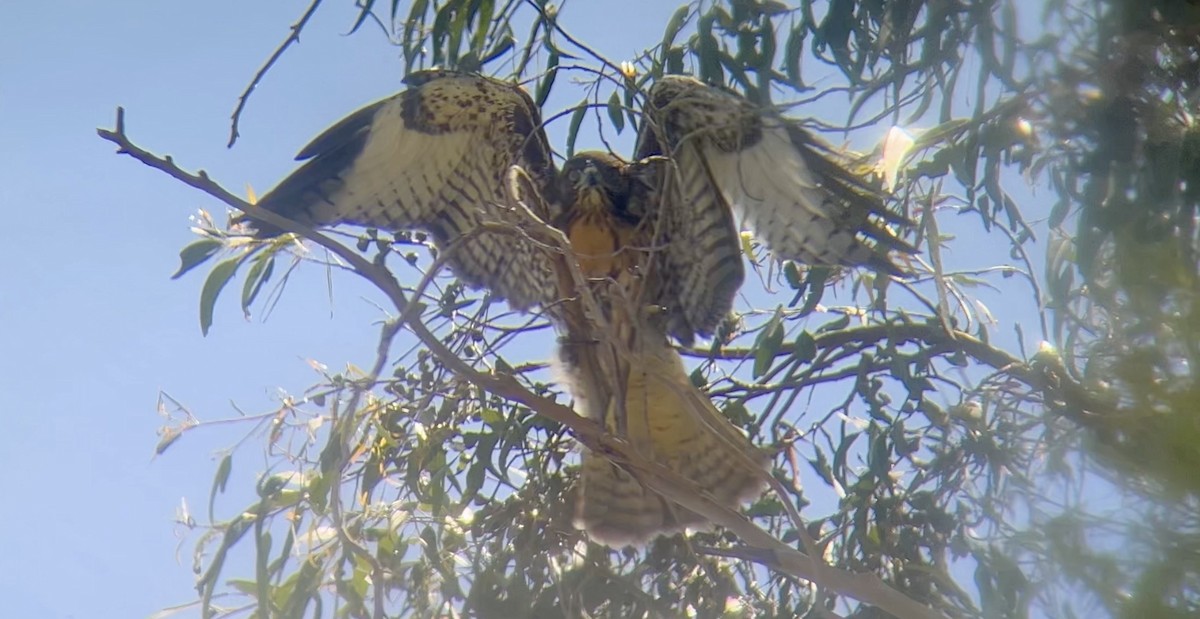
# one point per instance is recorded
(935, 457)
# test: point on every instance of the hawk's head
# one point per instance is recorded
(593, 181)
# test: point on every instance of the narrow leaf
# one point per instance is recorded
(573, 130)
(219, 482)
(708, 51)
(614, 112)
(793, 50)
(195, 254)
(673, 27)
(363, 13)
(767, 345)
(169, 436)
(482, 19)
(544, 86)
(260, 273)
(217, 278)
(806, 347)
(502, 47)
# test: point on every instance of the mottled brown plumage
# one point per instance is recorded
(656, 240)
(629, 376)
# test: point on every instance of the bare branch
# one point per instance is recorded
(293, 37)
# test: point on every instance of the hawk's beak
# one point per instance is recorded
(588, 177)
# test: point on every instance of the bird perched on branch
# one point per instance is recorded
(654, 243)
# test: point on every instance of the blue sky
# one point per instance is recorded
(91, 326)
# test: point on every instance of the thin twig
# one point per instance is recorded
(1043, 373)
(293, 37)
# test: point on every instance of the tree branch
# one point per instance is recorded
(293, 37)
(1044, 373)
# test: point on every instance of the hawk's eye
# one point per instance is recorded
(574, 175)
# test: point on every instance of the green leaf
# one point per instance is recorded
(285, 553)
(217, 278)
(1059, 212)
(835, 325)
(417, 10)
(673, 64)
(503, 46)
(544, 86)
(482, 19)
(372, 473)
(219, 481)
(708, 51)
(791, 273)
(458, 28)
(234, 531)
(769, 506)
(262, 557)
(805, 347)
(675, 24)
(430, 545)
(614, 111)
(242, 585)
(737, 413)
(469, 62)
(416, 17)
(767, 344)
(260, 273)
(363, 13)
(441, 25)
(476, 475)
(793, 50)
(815, 284)
(491, 417)
(627, 98)
(879, 456)
(195, 254)
(168, 438)
(527, 51)
(821, 465)
(485, 451)
(573, 129)
(771, 8)
(842, 451)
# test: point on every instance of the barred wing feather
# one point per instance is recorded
(732, 163)
(434, 158)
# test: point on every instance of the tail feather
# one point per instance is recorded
(669, 421)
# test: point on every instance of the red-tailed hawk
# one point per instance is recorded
(656, 240)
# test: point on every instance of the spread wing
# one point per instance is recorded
(434, 158)
(727, 157)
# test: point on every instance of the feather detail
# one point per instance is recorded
(433, 157)
(667, 420)
(728, 157)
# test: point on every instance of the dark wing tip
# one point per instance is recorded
(350, 128)
(846, 179)
(328, 157)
